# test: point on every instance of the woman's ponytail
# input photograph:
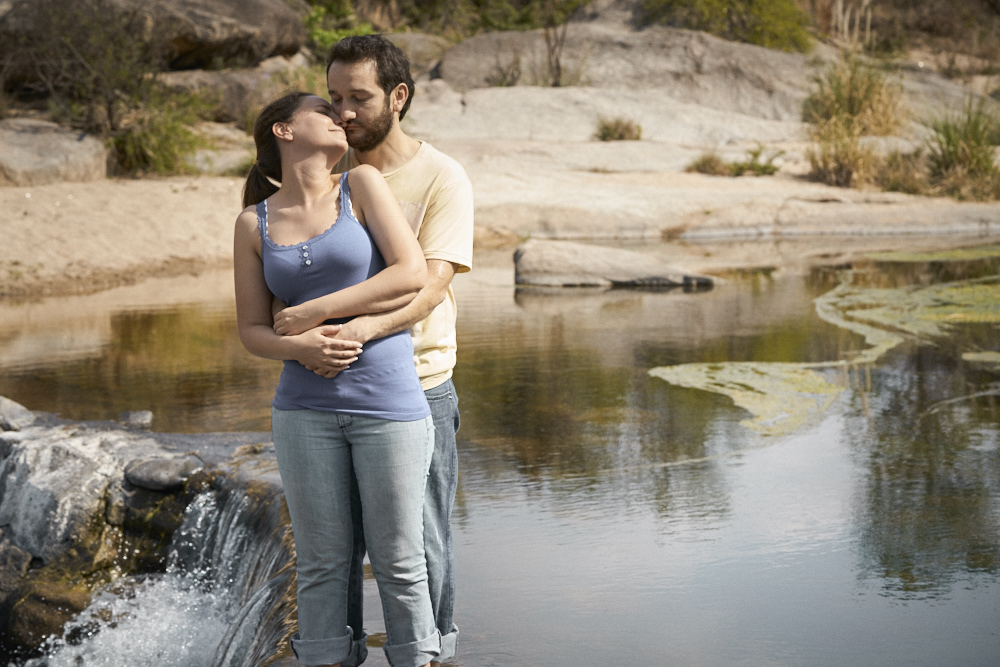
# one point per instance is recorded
(265, 175)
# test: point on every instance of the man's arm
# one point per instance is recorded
(369, 327)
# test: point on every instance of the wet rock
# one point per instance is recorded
(162, 473)
(14, 416)
(41, 609)
(14, 564)
(564, 263)
(137, 419)
(37, 152)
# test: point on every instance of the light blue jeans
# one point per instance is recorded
(317, 452)
(442, 483)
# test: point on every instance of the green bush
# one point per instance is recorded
(158, 138)
(856, 93)
(617, 129)
(96, 63)
(776, 24)
(327, 25)
(713, 165)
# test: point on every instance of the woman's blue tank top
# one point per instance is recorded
(383, 382)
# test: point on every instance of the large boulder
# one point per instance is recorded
(38, 152)
(694, 66)
(202, 33)
(568, 264)
(239, 93)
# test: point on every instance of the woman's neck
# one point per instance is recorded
(304, 181)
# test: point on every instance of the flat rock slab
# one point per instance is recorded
(37, 152)
(564, 263)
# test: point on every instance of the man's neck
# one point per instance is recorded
(392, 153)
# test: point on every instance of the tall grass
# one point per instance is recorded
(776, 24)
(856, 92)
(850, 100)
(960, 153)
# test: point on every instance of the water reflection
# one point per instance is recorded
(603, 512)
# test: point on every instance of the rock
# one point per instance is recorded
(162, 473)
(137, 419)
(14, 563)
(694, 66)
(565, 263)
(37, 152)
(205, 33)
(241, 93)
(231, 150)
(424, 51)
(14, 416)
(41, 609)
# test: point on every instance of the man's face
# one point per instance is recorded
(364, 110)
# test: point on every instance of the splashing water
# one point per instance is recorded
(206, 609)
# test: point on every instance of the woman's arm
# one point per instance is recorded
(389, 289)
(315, 349)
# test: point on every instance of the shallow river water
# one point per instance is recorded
(847, 513)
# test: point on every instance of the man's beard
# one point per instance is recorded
(373, 133)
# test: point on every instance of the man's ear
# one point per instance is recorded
(398, 97)
(282, 131)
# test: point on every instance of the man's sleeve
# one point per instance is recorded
(447, 229)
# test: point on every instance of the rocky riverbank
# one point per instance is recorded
(86, 504)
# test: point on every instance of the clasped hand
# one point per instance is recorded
(324, 353)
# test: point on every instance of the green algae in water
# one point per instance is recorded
(955, 255)
(785, 396)
(781, 396)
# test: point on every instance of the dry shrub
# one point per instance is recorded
(857, 93)
(839, 158)
(902, 172)
(617, 129)
(711, 164)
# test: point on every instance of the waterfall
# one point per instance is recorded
(223, 601)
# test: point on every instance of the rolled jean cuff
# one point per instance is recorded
(449, 644)
(311, 652)
(414, 654)
(359, 652)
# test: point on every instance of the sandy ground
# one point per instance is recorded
(74, 238)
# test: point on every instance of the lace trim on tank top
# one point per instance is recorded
(345, 211)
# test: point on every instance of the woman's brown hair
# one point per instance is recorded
(267, 167)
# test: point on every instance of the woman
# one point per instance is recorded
(314, 234)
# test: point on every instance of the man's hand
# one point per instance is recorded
(322, 352)
(297, 319)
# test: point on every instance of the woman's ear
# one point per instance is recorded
(282, 131)
(399, 96)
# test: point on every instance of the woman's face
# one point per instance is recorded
(315, 122)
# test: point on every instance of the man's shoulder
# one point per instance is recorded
(430, 161)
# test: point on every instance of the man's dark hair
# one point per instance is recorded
(392, 67)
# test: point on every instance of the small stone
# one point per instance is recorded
(14, 416)
(162, 474)
(137, 419)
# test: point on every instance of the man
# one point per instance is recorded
(371, 88)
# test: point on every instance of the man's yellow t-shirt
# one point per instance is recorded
(436, 197)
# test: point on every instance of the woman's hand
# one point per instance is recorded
(323, 353)
(298, 319)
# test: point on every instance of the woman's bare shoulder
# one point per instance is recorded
(246, 221)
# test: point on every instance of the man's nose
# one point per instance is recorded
(347, 114)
